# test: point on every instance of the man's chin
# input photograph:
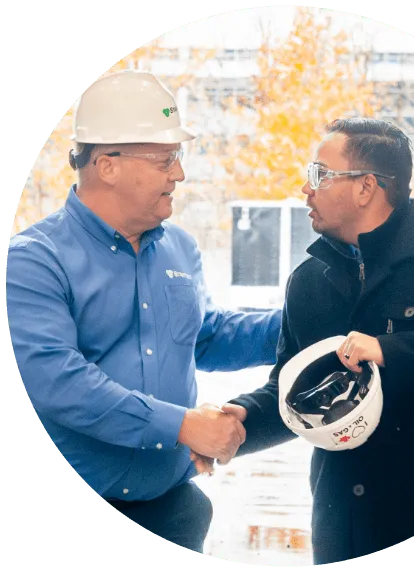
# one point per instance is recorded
(317, 227)
(165, 214)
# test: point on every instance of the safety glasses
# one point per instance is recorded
(320, 177)
(165, 159)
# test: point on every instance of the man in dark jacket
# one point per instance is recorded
(358, 282)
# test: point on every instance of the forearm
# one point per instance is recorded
(264, 425)
(81, 397)
(233, 341)
(61, 383)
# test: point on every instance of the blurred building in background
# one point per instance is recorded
(262, 241)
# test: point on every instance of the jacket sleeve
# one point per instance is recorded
(60, 382)
(264, 425)
(398, 352)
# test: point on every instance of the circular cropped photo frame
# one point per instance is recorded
(52, 518)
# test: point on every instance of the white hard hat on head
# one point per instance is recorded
(328, 405)
(129, 107)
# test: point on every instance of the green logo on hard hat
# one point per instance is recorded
(169, 110)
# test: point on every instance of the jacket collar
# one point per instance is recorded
(391, 242)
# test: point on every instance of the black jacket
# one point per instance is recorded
(363, 498)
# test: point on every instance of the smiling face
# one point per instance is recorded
(144, 186)
(335, 210)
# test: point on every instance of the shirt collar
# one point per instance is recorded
(97, 226)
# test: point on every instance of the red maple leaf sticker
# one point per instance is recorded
(345, 439)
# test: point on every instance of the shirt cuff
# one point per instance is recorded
(164, 425)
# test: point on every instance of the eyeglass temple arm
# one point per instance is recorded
(110, 154)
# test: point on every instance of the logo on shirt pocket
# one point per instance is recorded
(184, 312)
(178, 274)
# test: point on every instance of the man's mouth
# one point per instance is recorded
(312, 211)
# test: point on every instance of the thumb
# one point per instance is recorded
(238, 411)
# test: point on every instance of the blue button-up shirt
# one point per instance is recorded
(107, 344)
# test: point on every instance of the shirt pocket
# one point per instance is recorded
(184, 313)
(400, 316)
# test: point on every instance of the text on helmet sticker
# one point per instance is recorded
(168, 110)
(354, 430)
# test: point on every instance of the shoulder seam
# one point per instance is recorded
(30, 240)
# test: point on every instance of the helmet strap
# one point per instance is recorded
(79, 160)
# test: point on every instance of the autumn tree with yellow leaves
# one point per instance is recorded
(303, 82)
(51, 177)
(307, 80)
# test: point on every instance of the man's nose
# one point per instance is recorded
(177, 172)
(307, 190)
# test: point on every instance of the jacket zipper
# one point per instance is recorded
(362, 273)
(390, 327)
(361, 279)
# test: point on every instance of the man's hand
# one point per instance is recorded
(211, 432)
(358, 347)
(204, 464)
(235, 410)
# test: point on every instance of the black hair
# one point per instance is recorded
(381, 146)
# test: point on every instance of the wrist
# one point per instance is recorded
(185, 429)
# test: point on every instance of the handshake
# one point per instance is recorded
(211, 432)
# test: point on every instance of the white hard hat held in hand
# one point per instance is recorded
(331, 407)
(129, 107)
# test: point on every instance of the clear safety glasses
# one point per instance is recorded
(320, 177)
(166, 159)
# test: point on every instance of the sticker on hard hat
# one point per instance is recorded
(354, 430)
(166, 111)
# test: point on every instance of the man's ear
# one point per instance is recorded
(368, 190)
(107, 169)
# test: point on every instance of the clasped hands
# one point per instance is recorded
(217, 433)
(213, 433)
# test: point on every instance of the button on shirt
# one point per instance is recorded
(107, 344)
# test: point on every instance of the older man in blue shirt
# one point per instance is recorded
(109, 317)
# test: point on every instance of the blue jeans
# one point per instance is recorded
(182, 515)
